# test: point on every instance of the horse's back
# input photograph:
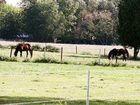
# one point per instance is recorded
(24, 46)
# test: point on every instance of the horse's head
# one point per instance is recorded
(16, 50)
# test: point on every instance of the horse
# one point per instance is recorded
(114, 53)
(23, 47)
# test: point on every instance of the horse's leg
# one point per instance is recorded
(31, 52)
(124, 57)
(26, 53)
(116, 59)
(20, 53)
(110, 59)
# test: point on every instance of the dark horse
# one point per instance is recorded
(23, 47)
(114, 53)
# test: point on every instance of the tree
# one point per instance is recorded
(10, 21)
(129, 24)
(68, 9)
(41, 19)
(104, 32)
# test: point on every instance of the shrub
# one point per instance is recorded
(1, 46)
(94, 63)
(50, 48)
(49, 60)
(37, 47)
(4, 58)
(46, 60)
(86, 53)
(26, 60)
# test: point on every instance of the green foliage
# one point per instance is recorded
(50, 48)
(10, 22)
(104, 31)
(4, 58)
(26, 60)
(46, 60)
(129, 24)
(86, 53)
(1, 46)
(42, 20)
(69, 21)
(37, 47)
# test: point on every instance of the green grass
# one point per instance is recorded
(24, 81)
(69, 58)
(68, 82)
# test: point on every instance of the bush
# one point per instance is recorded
(37, 47)
(1, 46)
(26, 60)
(46, 60)
(4, 58)
(86, 53)
(50, 48)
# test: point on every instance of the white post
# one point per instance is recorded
(76, 49)
(61, 54)
(45, 51)
(99, 56)
(88, 84)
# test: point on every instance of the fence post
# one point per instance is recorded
(45, 50)
(11, 51)
(104, 52)
(61, 54)
(76, 50)
(88, 84)
(99, 56)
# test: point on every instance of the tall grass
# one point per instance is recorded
(4, 58)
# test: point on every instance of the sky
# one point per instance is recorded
(13, 2)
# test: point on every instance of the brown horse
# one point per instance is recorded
(114, 53)
(23, 47)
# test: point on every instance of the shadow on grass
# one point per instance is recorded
(13, 100)
(102, 102)
(51, 101)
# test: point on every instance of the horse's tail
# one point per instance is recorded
(127, 53)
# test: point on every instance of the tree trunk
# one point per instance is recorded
(136, 51)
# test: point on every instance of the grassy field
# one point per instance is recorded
(65, 84)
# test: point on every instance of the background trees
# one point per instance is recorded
(10, 21)
(70, 21)
(129, 24)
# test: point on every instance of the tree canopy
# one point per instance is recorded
(129, 24)
(70, 21)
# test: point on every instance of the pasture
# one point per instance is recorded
(65, 84)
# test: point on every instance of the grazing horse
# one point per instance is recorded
(114, 53)
(23, 47)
